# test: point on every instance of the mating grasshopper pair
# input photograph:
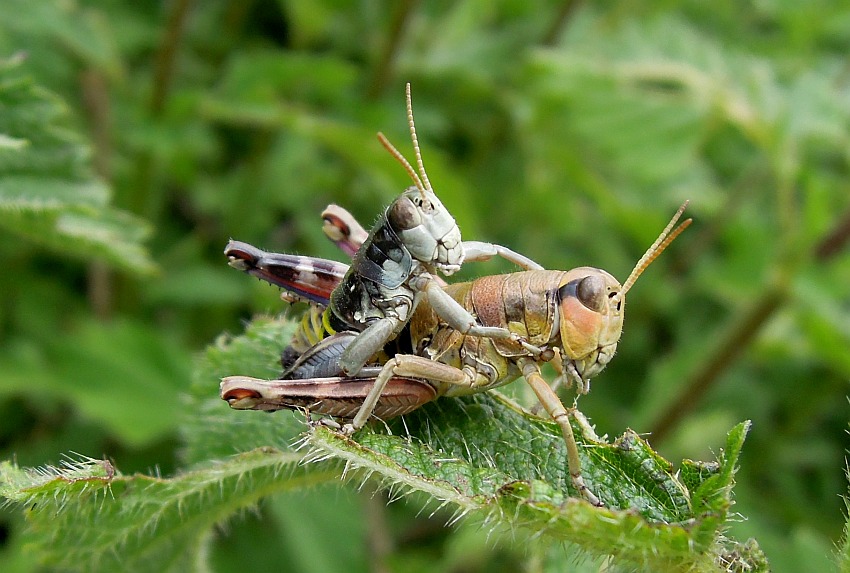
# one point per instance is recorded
(389, 338)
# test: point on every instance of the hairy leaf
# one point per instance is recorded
(86, 516)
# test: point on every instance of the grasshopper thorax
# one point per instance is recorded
(591, 318)
(427, 229)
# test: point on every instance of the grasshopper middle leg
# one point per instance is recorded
(415, 366)
(376, 335)
(460, 319)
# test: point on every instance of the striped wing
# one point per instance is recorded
(310, 279)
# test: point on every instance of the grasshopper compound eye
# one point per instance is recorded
(403, 214)
(591, 292)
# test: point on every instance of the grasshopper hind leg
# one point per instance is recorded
(343, 229)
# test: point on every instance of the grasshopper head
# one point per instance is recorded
(591, 318)
(427, 229)
(592, 305)
(418, 217)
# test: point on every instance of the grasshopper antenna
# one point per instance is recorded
(419, 163)
(662, 242)
(400, 158)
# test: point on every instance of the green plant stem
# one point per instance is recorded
(792, 257)
(744, 328)
(166, 56)
(95, 91)
(144, 201)
(742, 332)
(835, 240)
(707, 234)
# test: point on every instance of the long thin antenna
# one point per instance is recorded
(413, 137)
(400, 158)
(661, 243)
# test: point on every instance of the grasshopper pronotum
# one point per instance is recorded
(575, 317)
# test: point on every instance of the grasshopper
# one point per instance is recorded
(394, 268)
(575, 317)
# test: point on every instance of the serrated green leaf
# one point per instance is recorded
(473, 476)
(209, 429)
(41, 193)
(713, 494)
(108, 234)
(843, 553)
(48, 193)
(77, 29)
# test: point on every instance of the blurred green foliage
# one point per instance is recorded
(569, 132)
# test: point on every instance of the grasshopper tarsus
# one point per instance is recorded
(333, 424)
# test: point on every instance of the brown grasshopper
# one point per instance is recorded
(395, 267)
(575, 317)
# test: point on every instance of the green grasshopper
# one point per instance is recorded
(574, 317)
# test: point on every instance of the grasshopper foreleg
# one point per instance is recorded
(378, 333)
(343, 229)
(571, 374)
(478, 251)
(553, 405)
